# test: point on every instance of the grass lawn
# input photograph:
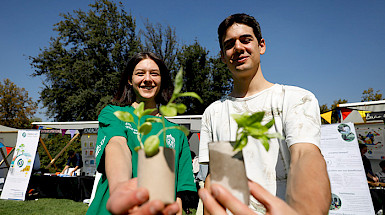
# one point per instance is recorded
(42, 206)
(45, 206)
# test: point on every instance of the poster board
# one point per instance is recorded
(350, 190)
(372, 135)
(88, 142)
(19, 173)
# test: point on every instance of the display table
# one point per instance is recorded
(75, 188)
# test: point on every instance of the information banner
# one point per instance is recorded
(19, 173)
(372, 135)
(350, 190)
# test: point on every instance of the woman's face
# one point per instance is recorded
(146, 80)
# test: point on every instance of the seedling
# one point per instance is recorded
(250, 125)
(151, 144)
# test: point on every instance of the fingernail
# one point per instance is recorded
(214, 191)
(140, 195)
(202, 194)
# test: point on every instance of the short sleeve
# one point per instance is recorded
(302, 123)
(205, 137)
(109, 126)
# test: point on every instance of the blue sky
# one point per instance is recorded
(334, 48)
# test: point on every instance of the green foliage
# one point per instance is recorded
(82, 65)
(55, 143)
(370, 95)
(16, 107)
(206, 76)
(151, 144)
(250, 125)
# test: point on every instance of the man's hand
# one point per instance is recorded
(219, 199)
(126, 198)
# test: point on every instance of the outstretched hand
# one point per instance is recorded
(126, 198)
(219, 199)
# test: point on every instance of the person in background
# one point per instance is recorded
(145, 79)
(293, 169)
(381, 174)
(367, 165)
(75, 161)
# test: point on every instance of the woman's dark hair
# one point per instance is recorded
(240, 18)
(125, 94)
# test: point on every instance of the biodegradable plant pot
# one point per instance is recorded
(157, 174)
(228, 169)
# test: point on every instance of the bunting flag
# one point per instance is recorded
(363, 114)
(72, 132)
(199, 136)
(345, 112)
(63, 132)
(327, 116)
(9, 149)
(1, 145)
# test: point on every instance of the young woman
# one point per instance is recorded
(145, 79)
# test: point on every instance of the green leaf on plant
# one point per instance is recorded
(240, 143)
(124, 116)
(151, 145)
(145, 128)
(168, 110)
(178, 84)
(181, 108)
(139, 109)
(269, 124)
(190, 94)
(146, 112)
(240, 119)
(255, 117)
(265, 142)
(154, 119)
(137, 148)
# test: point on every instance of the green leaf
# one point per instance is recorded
(181, 108)
(151, 145)
(274, 135)
(146, 112)
(190, 94)
(178, 81)
(240, 143)
(240, 119)
(137, 148)
(138, 110)
(124, 116)
(154, 119)
(269, 124)
(265, 142)
(145, 128)
(168, 110)
(256, 131)
(255, 117)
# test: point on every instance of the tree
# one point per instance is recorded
(369, 95)
(16, 107)
(82, 65)
(162, 41)
(206, 76)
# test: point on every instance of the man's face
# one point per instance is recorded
(241, 50)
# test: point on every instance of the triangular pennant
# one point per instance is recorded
(72, 132)
(63, 132)
(199, 136)
(1, 145)
(363, 114)
(345, 112)
(9, 149)
(327, 116)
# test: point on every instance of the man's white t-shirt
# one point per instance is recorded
(297, 118)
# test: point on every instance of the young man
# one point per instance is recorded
(74, 160)
(293, 169)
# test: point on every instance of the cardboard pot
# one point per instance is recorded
(227, 169)
(157, 174)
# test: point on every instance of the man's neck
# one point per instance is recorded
(248, 86)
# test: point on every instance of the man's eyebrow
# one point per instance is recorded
(242, 36)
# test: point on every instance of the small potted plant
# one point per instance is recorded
(153, 159)
(227, 155)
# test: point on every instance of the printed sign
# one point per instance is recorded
(20, 169)
(339, 147)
